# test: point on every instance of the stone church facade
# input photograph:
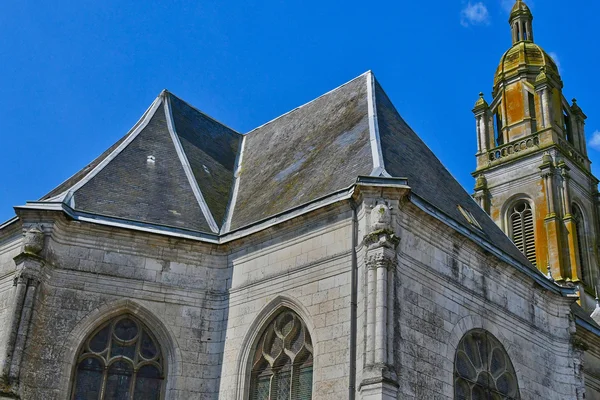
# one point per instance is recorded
(327, 254)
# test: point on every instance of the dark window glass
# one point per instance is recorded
(499, 136)
(148, 383)
(282, 362)
(99, 342)
(147, 347)
(580, 237)
(482, 369)
(135, 369)
(567, 127)
(532, 113)
(89, 379)
(118, 381)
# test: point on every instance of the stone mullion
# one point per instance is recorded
(551, 223)
(480, 146)
(546, 111)
(575, 268)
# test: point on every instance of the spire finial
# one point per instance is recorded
(520, 22)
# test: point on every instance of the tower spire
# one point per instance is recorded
(520, 21)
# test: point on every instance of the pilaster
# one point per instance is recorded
(552, 221)
(379, 379)
(30, 265)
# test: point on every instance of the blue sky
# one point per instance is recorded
(76, 75)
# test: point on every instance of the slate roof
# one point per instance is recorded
(174, 168)
(308, 153)
(208, 178)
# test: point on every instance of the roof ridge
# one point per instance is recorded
(185, 163)
(130, 136)
(236, 185)
(374, 138)
(67, 189)
(308, 102)
(200, 111)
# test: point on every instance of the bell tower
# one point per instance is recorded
(533, 175)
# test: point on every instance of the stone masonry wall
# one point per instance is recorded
(9, 248)
(448, 286)
(177, 287)
(305, 266)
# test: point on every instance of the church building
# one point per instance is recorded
(326, 254)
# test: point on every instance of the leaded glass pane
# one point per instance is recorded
(282, 361)
(89, 379)
(147, 347)
(118, 349)
(148, 383)
(118, 381)
(283, 385)
(126, 329)
(303, 389)
(125, 337)
(261, 388)
(99, 342)
(482, 369)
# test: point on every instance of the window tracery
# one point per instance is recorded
(120, 360)
(483, 370)
(282, 366)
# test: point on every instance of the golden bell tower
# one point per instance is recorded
(533, 175)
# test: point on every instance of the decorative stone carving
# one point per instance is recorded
(34, 240)
(381, 218)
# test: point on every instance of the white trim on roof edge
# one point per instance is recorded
(376, 152)
(138, 127)
(188, 169)
(236, 186)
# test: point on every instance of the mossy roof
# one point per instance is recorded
(180, 168)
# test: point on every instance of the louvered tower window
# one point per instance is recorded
(282, 367)
(119, 360)
(580, 237)
(522, 229)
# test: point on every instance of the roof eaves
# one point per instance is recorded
(587, 325)
(142, 226)
(9, 222)
(537, 276)
(138, 127)
(287, 215)
(119, 222)
(188, 169)
(375, 141)
(236, 186)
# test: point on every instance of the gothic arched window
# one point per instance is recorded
(520, 217)
(282, 365)
(120, 360)
(580, 237)
(482, 369)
